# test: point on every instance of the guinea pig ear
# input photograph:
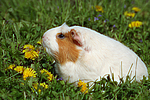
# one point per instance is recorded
(64, 28)
(76, 37)
(64, 24)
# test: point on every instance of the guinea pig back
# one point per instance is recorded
(82, 53)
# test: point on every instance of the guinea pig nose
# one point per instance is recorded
(44, 37)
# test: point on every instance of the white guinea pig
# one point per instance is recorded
(82, 53)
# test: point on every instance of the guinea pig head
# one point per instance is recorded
(63, 43)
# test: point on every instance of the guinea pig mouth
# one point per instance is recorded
(48, 51)
(43, 43)
(46, 47)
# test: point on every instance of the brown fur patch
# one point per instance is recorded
(67, 49)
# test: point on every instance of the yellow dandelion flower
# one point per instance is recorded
(22, 83)
(35, 54)
(136, 9)
(39, 42)
(125, 13)
(43, 70)
(135, 24)
(50, 76)
(39, 90)
(28, 55)
(99, 9)
(49, 73)
(129, 14)
(29, 72)
(84, 88)
(11, 66)
(28, 46)
(31, 54)
(26, 50)
(44, 85)
(19, 69)
(80, 83)
(36, 87)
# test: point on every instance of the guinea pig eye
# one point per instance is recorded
(61, 36)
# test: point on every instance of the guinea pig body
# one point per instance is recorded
(82, 53)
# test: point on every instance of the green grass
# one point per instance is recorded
(24, 22)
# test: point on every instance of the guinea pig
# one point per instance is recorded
(82, 53)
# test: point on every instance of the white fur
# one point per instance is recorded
(49, 40)
(100, 56)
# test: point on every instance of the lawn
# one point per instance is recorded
(26, 70)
